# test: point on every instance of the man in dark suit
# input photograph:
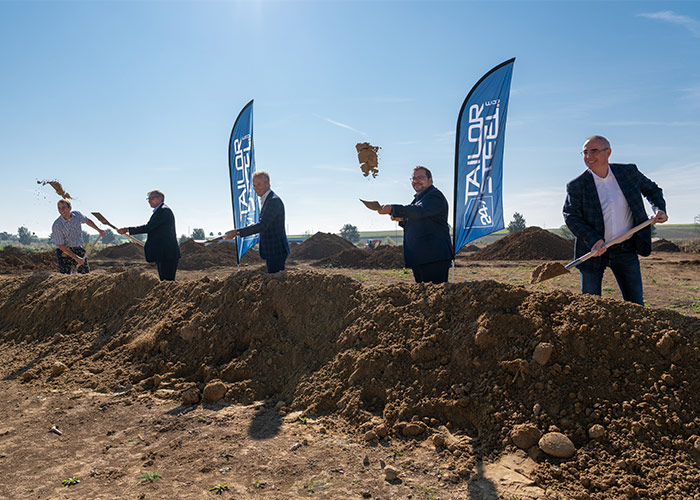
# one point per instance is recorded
(274, 247)
(161, 244)
(605, 202)
(427, 246)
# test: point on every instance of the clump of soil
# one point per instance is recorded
(57, 187)
(320, 246)
(453, 363)
(200, 256)
(130, 251)
(367, 156)
(532, 243)
(663, 245)
(547, 271)
(14, 259)
(382, 257)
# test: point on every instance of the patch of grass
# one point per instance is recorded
(429, 493)
(316, 485)
(219, 488)
(70, 481)
(258, 484)
(302, 419)
(149, 477)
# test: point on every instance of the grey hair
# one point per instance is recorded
(600, 138)
(157, 193)
(262, 173)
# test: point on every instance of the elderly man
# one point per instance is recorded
(67, 234)
(427, 246)
(602, 203)
(161, 243)
(274, 247)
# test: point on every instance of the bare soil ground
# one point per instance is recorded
(318, 382)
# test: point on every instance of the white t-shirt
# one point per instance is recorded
(617, 215)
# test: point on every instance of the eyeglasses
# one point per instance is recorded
(418, 178)
(588, 152)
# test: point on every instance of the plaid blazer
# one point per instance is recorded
(273, 237)
(584, 216)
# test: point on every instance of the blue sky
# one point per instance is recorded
(114, 99)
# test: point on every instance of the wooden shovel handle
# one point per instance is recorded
(612, 242)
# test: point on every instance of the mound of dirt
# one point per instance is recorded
(15, 259)
(663, 245)
(320, 246)
(200, 256)
(130, 251)
(532, 243)
(477, 367)
(382, 257)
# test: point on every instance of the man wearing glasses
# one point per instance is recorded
(602, 203)
(161, 244)
(427, 246)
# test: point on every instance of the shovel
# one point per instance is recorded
(550, 270)
(104, 221)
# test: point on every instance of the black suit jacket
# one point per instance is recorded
(584, 215)
(161, 244)
(426, 234)
(273, 236)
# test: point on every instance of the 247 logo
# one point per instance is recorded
(484, 213)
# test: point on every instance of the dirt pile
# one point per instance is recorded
(129, 251)
(382, 257)
(320, 246)
(15, 259)
(200, 256)
(663, 245)
(409, 360)
(532, 243)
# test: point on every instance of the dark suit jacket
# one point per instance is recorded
(161, 244)
(426, 236)
(584, 216)
(273, 237)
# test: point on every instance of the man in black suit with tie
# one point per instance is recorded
(605, 202)
(274, 247)
(161, 244)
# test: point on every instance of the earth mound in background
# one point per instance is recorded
(460, 364)
(382, 257)
(15, 259)
(123, 251)
(663, 245)
(223, 253)
(320, 246)
(532, 243)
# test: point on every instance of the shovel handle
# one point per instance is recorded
(134, 239)
(612, 242)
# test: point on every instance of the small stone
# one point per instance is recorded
(190, 396)
(413, 429)
(390, 474)
(370, 436)
(57, 368)
(365, 461)
(543, 352)
(525, 436)
(214, 391)
(296, 446)
(381, 431)
(557, 444)
(665, 344)
(596, 431)
(366, 494)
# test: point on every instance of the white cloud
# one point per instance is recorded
(342, 125)
(692, 25)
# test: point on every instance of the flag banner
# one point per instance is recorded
(481, 130)
(241, 159)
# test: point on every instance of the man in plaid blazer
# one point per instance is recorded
(602, 203)
(274, 247)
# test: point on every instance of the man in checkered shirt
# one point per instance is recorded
(67, 235)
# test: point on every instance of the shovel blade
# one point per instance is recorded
(547, 271)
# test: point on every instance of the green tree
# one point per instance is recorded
(25, 235)
(86, 237)
(108, 237)
(516, 224)
(350, 233)
(183, 238)
(198, 234)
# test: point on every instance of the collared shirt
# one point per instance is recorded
(264, 197)
(69, 232)
(617, 215)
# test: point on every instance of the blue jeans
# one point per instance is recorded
(625, 267)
